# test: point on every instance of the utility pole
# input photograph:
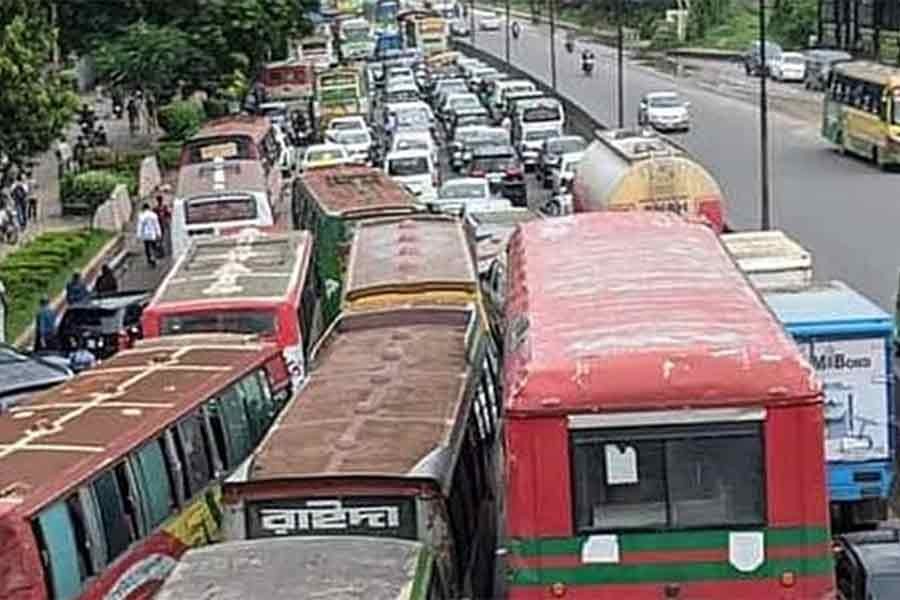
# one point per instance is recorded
(552, 10)
(620, 60)
(472, 19)
(766, 221)
(507, 32)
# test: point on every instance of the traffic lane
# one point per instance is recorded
(841, 209)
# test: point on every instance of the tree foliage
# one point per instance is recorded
(218, 36)
(791, 22)
(35, 104)
(706, 14)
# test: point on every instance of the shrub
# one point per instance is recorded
(168, 155)
(215, 107)
(180, 120)
(84, 192)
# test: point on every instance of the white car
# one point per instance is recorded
(459, 102)
(346, 124)
(489, 23)
(459, 28)
(358, 143)
(664, 111)
(411, 115)
(415, 170)
(789, 66)
(458, 195)
(324, 155)
(563, 176)
(415, 139)
(408, 92)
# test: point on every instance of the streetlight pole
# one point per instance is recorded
(551, 7)
(766, 223)
(620, 60)
(507, 32)
(472, 19)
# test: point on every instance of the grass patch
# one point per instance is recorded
(42, 266)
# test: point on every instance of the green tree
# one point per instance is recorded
(35, 104)
(150, 57)
(793, 21)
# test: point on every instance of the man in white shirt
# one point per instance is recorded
(149, 232)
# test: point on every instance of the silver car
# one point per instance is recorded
(664, 111)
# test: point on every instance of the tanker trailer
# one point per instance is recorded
(640, 170)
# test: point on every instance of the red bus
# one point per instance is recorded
(247, 283)
(289, 80)
(106, 480)
(663, 436)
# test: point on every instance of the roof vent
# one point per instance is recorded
(407, 224)
(408, 237)
(408, 266)
(400, 335)
(345, 442)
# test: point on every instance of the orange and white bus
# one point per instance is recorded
(247, 283)
(106, 480)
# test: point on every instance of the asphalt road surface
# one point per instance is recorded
(845, 211)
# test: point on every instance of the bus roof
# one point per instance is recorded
(869, 71)
(349, 190)
(412, 254)
(252, 126)
(62, 436)
(830, 307)
(220, 178)
(237, 268)
(639, 311)
(381, 569)
(403, 369)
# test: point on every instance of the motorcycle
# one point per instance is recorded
(587, 66)
(118, 110)
(515, 30)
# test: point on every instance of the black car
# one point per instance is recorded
(503, 170)
(24, 374)
(466, 139)
(867, 564)
(103, 325)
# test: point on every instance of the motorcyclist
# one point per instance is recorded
(587, 61)
(570, 43)
(515, 29)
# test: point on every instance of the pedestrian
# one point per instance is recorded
(78, 152)
(150, 106)
(106, 283)
(164, 216)
(19, 193)
(149, 232)
(31, 185)
(76, 290)
(45, 327)
(132, 109)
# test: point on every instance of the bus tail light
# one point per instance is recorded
(710, 208)
(788, 579)
(558, 590)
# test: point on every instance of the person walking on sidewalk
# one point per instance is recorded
(106, 284)
(164, 215)
(149, 232)
(45, 327)
(19, 195)
(76, 291)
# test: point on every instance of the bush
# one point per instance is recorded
(168, 155)
(180, 120)
(215, 107)
(42, 266)
(82, 193)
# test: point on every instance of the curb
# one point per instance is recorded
(707, 54)
(112, 248)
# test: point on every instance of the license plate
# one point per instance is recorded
(495, 177)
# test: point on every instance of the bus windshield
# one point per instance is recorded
(257, 322)
(220, 210)
(386, 11)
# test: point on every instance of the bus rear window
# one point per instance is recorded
(668, 477)
(220, 210)
(248, 322)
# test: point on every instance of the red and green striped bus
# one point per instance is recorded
(663, 435)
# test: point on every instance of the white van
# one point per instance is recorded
(219, 198)
(416, 170)
(502, 88)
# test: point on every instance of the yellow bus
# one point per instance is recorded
(862, 111)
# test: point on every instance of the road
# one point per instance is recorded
(845, 211)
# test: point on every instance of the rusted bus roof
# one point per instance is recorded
(639, 311)
(410, 256)
(252, 126)
(62, 436)
(236, 268)
(387, 397)
(356, 191)
(226, 178)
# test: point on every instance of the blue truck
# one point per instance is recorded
(848, 340)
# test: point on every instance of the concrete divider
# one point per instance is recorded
(114, 214)
(706, 54)
(149, 177)
(578, 120)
